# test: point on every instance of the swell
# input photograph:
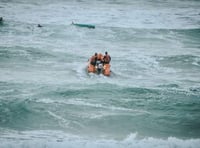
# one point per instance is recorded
(22, 53)
(97, 107)
(187, 62)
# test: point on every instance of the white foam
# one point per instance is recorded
(57, 139)
(63, 121)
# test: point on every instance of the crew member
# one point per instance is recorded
(100, 57)
(93, 59)
(106, 58)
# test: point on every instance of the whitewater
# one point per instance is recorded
(151, 99)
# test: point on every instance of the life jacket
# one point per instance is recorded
(93, 59)
(100, 57)
(107, 58)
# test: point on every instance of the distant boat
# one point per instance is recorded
(84, 25)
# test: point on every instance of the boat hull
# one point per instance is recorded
(105, 69)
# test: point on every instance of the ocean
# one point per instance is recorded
(151, 99)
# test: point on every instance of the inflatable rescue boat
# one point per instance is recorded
(99, 67)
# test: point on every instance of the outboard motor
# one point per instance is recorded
(99, 67)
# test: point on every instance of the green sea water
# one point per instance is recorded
(151, 99)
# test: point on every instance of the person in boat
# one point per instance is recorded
(99, 63)
(93, 59)
(106, 58)
(100, 57)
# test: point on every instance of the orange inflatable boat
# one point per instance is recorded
(99, 68)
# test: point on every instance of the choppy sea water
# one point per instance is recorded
(151, 99)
